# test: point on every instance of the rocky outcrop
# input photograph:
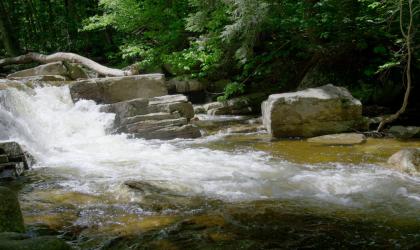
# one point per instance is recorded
(13, 160)
(68, 70)
(117, 89)
(406, 160)
(313, 112)
(165, 117)
(245, 105)
(10, 215)
(339, 139)
(402, 132)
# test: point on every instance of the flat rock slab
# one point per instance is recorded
(339, 139)
(118, 89)
(70, 70)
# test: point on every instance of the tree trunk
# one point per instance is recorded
(69, 57)
(6, 34)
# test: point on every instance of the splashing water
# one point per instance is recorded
(72, 140)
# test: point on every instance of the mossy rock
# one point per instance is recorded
(10, 215)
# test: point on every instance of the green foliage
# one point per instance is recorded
(231, 90)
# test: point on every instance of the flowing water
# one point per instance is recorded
(218, 192)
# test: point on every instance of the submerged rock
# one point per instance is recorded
(10, 215)
(72, 71)
(405, 132)
(16, 241)
(406, 160)
(313, 112)
(117, 89)
(339, 139)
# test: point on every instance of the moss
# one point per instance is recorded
(10, 215)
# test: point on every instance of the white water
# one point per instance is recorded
(72, 141)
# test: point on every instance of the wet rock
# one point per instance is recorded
(16, 241)
(339, 139)
(72, 71)
(10, 215)
(199, 109)
(145, 187)
(244, 105)
(16, 154)
(244, 129)
(406, 160)
(41, 78)
(164, 117)
(405, 132)
(117, 89)
(313, 112)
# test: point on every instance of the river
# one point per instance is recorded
(222, 191)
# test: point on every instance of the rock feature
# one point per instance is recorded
(117, 89)
(313, 112)
(244, 105)
(164, 117)
(406, 160)
(72, 71)
(10, 215)
(13, 160)
(405, 132)
(339, 139)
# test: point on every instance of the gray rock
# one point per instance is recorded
(199, 109)
(151, 117)
(16, 154)
(117, 89)
(69, 70)
(339, 139)
(169, 133)
(244, 105)
(313, 112)
(405, 132)
(406, 160)
(41, 78)
(10, 215)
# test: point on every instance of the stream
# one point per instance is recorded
(221, 191)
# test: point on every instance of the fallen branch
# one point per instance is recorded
(67, 57)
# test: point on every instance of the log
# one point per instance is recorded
(67, 57)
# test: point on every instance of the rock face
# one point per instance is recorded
(13, 160)
(72, 71)
(117, 89)
(165, 117)
(183, 86)
(406, 160)
(10, 215)
(313, 112)
(405, 132)
(339, 139)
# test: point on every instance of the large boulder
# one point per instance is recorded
(313, 112)
(117, 89)
(10, 215)
(406, 160)
(72, 71)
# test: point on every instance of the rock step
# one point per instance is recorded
(169, 133)
(152, 125)
(4, 159)
(151, 117)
